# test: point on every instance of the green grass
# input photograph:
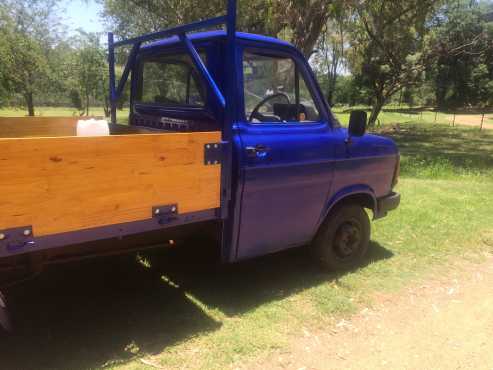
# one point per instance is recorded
(122, 115)
(392, 115)
(281, 296)
(177, 310)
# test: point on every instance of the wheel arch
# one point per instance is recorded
(359, 194)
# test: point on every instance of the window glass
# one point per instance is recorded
(171, 81)
(275, 91)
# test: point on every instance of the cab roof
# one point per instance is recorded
(214, 35)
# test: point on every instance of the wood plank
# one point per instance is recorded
(72, 183)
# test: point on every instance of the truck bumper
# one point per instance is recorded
(386, 204)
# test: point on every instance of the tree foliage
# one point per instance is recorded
(387, 46)
(90, 71)
(28, 34)
(371, 51)
(332, 46)
(462, 50)
(301, 20)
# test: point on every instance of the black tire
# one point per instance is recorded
(343, 238)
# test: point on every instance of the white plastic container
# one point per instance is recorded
(93, 127)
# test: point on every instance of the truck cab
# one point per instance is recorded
(293, 165)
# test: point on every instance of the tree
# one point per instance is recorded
(89, 70)
(302, 20)
(27, 28)
(5, 67)
(461, 48)
(388, 40)
(306, 18)
(130, 18)
(332, 46)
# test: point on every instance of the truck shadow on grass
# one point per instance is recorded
(107, 311)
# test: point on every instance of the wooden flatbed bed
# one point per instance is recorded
(55, 182)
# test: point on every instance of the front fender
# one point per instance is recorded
(364, 193)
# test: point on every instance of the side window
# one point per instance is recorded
(276, 91)
(170, 81)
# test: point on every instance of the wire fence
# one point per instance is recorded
(397, 115)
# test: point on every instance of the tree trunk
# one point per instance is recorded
(332, 79)
(29, 103)
(87, 105)
(330, 97)
(106, 106)
(377, 108)
(332, 88)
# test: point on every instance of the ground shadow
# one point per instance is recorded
(86, 315)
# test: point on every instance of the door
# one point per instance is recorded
(286, 155)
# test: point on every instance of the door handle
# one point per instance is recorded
(258, 151)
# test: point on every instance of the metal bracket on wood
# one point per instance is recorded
(17, 238)
(213, 153)
(165, 214)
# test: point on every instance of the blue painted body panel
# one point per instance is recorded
(283, 193)
(288, 193)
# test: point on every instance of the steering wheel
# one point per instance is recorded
(256, 114)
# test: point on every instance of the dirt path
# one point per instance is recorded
(446, 323)
(473, 120)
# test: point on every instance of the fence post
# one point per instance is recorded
(453, 122)
(482, 120)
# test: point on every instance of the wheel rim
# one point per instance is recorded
(347, 239)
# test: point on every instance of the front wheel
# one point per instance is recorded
(343, 238)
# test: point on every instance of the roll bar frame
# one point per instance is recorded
(226, 100)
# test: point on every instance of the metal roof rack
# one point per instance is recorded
(229, 20)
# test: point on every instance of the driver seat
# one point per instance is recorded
(288, 112)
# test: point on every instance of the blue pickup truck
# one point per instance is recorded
(227, 131)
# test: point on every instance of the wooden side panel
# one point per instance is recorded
(11, 127)
(72, 183)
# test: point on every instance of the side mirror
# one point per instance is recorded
(357, 123)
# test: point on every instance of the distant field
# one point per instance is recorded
(395, 115)
(122, 115)
(390, 115)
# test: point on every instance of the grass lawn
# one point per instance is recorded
(122, 115)
(392, 115)
(174, 310)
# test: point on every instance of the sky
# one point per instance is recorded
(82, 14)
